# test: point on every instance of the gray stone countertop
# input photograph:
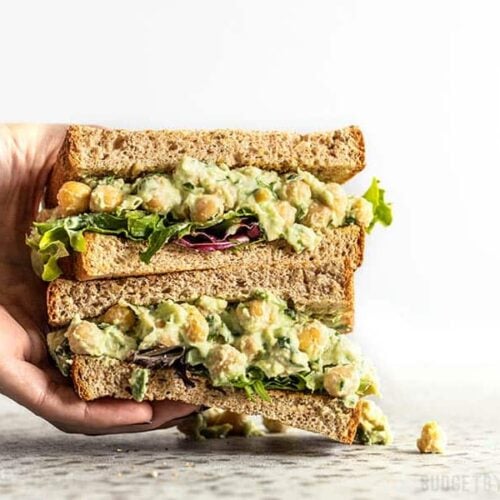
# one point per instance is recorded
(38, 461)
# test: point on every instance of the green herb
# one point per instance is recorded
(252, 388)
(284, 342)
(382, 211)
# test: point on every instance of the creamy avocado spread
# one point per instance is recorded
(257, 344)
(202, 206)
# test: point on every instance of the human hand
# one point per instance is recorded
(27, 153)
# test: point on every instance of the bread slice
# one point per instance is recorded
(332, 156)
(326, 288)
(111, 256)
(100, 377)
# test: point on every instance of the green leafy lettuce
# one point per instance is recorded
(52, 240)
(382, 211)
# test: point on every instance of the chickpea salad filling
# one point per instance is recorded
(202, 206)
(257, 344)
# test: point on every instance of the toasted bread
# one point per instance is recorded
(111, 256)
(323, 289)
(89, 151)
(105, 377)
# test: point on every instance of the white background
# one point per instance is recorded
(422, 79)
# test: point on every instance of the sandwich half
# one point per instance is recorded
(123, 203)
(255, 354)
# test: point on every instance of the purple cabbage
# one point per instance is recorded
(208, 240)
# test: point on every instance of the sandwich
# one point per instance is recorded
(214, 268)
(138, 203)
(256, 354)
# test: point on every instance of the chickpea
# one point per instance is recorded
(228, 193)
(206, 207)
(274, 426)
(158, 194)
(84, 338)
(257, 308)
(286, 212)
(362, 211)
(256, 315)
(105, 198)
(340, 381)
(338, 201)
(432, 439)
(120, 316)
(296, 192)
(312, 340)
(250, 345)
(196, 329)
(169, 337)
(262, 195)
(225, 363)
(318, 216)
(74, 197)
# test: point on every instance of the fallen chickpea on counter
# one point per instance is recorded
(432, 439)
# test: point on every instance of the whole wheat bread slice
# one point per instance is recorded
(111, 256)
(315, 288)
(98, 377)
(332, 156)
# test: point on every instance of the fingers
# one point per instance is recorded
(49, 395)
(57, 402)
(166, 414)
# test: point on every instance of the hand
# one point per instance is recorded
(27, 153)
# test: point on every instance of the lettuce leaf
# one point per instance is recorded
(382, 211)
(53, 240)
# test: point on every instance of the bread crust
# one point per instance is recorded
(334, 156)
(313, 288)
(94, 378)
(111, 256)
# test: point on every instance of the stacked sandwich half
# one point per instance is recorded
(214, 268)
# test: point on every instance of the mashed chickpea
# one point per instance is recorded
(105, 198)
(196, 329)
(313, 340)
(318, 216)
(120, 316)
(287, 212)
(158, 194)
(84, 338)
(338, 203)
(250, 345)
(256, 315)
(341, 381)
(362, 211)
(206, 207)
(225, 363)
(297, 193)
